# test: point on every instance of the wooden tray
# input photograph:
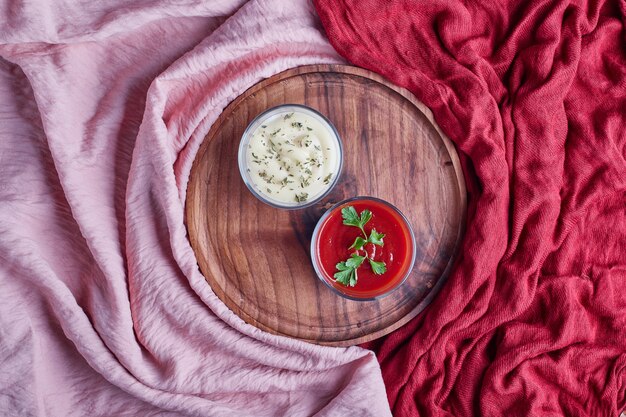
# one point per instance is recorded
(256, 258)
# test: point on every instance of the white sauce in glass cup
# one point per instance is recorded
(290, 156)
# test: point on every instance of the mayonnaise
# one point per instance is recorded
(292, 157)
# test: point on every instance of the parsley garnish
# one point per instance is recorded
(347, 274)
(347, 270)
(379, 268)
(376, 238)
(359, 242)
(351, 217)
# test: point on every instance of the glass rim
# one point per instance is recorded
(245, 140)
(315, 236)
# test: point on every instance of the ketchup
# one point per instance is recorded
(334, 238)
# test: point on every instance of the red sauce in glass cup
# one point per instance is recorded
(332, 239)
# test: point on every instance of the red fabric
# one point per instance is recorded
(533, 319)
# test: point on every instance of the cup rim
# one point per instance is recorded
(245, 140)
(315, 236)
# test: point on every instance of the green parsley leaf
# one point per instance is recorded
(355, 261)
(350, 216)
(378, 267)
(376, 238)
(358, 243)
(366, 215)
(341, 266)
(353, 278)
(346, 276)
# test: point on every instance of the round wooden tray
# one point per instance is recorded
(256, 258)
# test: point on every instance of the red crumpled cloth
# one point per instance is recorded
(533, 319)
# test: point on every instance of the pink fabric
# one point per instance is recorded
(103, 311)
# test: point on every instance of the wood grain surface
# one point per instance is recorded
(256, 258)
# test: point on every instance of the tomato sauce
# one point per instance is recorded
(334, 238)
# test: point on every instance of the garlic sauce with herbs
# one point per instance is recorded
(292, 158)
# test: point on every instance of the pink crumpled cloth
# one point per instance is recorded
(103, 311)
